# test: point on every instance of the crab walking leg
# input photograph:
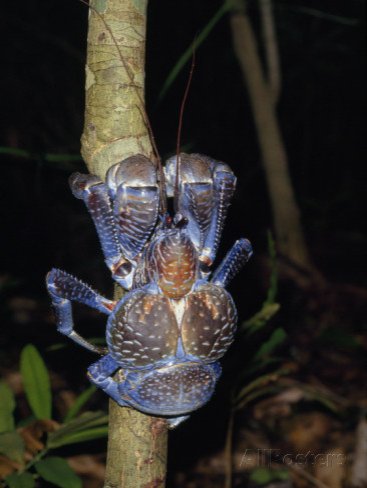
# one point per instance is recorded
(94, 193)
(100, 373)
(236, 257)
(134, 192)
(195, 195)
(224, 184)
(64, 289)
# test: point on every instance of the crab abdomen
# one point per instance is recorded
(142, 330)
(172, 390)
(209, 322)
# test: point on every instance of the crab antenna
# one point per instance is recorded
(179, 130)
(142, 110)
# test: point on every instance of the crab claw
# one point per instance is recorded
(80, 183)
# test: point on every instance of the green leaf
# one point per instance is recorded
(21, 480)
(88, 426)
(261, 318)
(12, 446)
(194, 45)
(261, 476)
(26, 421)
(269, 307)
(50, 158)
(84, 435)
(264, 476)
(256, 366)
(7, 405)
(80, 401)
(57, 471)
(273, 282)
(261, 382)
(282, 474)
(36, 382)
(325, 397)
(262, 392)
(277, 337)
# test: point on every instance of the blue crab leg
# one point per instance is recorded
(205, 188)
(134, 193)
(64, 289)
(224, 183)
(236, 257)
(100, 373)
(195, 196)
(94, 193)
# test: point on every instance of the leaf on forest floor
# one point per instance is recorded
(56, 470)
(7, 466)
(277, 337)
(79, 402)
(7, 405)
(34, 434)
(12, 446)
(290, 392)
(264, 476)
(88, 426)
(260, 318)
(259, 386)
(36, 382)
(269, 307)
(21, 480)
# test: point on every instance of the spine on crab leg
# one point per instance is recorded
(236, 257)
(64, 289)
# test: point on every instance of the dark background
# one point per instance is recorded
(322, 116)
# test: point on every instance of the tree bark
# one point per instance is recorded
(115, 128)
(287, 223)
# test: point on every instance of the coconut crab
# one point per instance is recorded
(166, 334)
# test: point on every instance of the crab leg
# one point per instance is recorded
(94, 193)
(134, 193)
(100, 373)
(124, 211)
(64, 289)
(236, 257)
(224, 184)
(205, 188)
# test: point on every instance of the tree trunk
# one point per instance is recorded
(115, 128)
(287, 223)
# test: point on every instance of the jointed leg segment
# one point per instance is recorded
(100, 374)
(64, 289)
(236, 257)
(94, 193)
